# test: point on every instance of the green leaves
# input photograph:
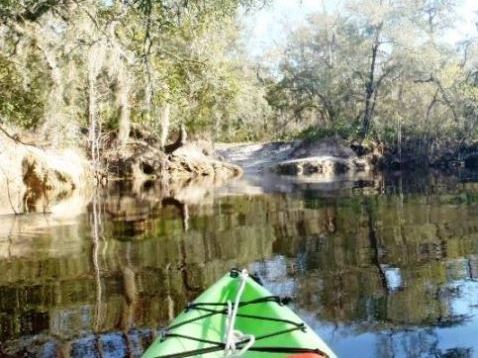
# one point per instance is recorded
(19, 105)
(30, 10)
(421, 87)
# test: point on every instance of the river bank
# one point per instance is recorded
(42, 177)
(333, 158)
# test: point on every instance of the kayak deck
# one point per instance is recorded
(199, 331)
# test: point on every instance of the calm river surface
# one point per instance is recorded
(379, 268)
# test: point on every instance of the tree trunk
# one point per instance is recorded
(217, 125)
(370, 87)
(168, 149)
(92, 119)
(165, 112)
(95, 63)
(124, 124)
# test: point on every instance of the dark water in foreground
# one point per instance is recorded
(386, 268)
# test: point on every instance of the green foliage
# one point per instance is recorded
(190, 56)
(21, 103)
(27, 9)
(421, 88)
(108, 62)
(342, 129)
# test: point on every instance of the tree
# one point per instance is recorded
(380, 70)
(110, 63)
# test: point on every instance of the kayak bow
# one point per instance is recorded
(238, 317)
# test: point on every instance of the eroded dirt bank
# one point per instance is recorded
(331, 158)
(36, 179)
(321, 160)
(143, 158)
(44, 179)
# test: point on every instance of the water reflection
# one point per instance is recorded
(386, 267)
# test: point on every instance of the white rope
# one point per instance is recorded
(232, 336)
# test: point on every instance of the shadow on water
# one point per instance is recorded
(385, 266)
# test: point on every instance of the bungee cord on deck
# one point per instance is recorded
(236, 343)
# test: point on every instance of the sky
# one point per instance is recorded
(468, 25)
(266, 27)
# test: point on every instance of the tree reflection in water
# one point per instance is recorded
(388, 270)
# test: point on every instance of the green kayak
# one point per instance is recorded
(238, 317)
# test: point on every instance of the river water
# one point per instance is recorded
(386, 267)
